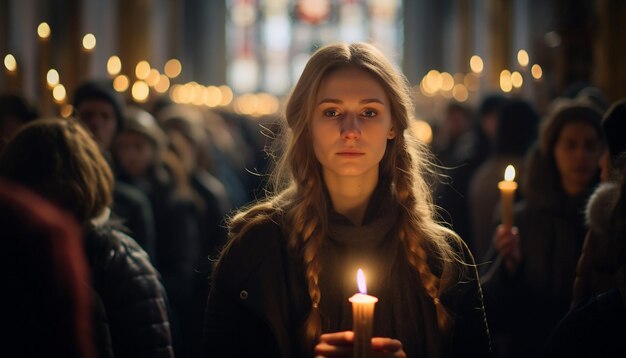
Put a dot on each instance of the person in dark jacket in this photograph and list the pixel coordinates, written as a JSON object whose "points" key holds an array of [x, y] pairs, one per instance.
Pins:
{"points": [[596, 326], [45, 279], [349, 194], [146, 163], [530, 287], [59, 160], [98, 106], [597, 268], [189, 141]]}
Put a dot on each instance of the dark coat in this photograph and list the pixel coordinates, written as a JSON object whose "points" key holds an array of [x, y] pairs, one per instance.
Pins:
{"points": [[133, 208], [130, 290], [259, 301]]}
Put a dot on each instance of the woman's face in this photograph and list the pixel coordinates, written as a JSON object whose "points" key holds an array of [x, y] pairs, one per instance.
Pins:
{"points": [[351, 124], [577, 153], [134, 152]]}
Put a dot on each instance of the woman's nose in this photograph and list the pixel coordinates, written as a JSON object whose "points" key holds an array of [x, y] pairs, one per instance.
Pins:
{"points": [[350, 127]]}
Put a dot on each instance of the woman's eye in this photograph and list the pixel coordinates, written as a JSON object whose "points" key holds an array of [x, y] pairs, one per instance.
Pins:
{"points": [[331, 113], [369, 113]]}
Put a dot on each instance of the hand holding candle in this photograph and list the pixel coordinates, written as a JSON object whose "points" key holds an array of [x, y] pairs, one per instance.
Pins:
{"points": [[507, 194], [362, 318]]}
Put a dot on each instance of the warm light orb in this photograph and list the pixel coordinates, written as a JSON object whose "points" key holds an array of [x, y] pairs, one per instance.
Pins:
{"points": [[522, 58], [173, 68], [460, 93], [509, 173], [476, 64], [212, 96], [52, 77], [142, 70], [536, 71], [505, 81], [59, 93], [10, 62], [114, 65], [121, 83], [360, 279], [140, 91], [434, 80], [66, 110], [447, 81], [153, 77], [89, 41], [163, 85], [516, 79], [227, 95], [43, 30], [423, 131]]}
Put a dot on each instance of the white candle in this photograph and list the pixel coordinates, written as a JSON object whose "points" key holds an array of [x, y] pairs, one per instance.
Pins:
{"points": [[507, 194], [362, 318]]}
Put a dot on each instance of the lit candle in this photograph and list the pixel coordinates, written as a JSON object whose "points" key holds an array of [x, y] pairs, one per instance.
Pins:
{"points": [[507, 194], [362, 318]]}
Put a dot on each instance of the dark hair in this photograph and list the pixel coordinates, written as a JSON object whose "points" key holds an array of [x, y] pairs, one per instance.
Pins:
{"points": [[59, 160], [101, 90], [491, 103], [614, 125], [565, 113], [16, 107], [517, 128]]}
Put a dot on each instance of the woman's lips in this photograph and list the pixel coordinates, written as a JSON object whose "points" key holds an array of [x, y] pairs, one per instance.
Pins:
{"points": [[350, 154]]}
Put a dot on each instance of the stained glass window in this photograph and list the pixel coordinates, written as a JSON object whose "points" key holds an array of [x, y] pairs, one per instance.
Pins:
{"points": [[269, 41]]}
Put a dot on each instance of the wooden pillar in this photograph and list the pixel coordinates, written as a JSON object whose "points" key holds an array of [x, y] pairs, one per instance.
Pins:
{"points": [[609, 72], [134, 34], [500, 19]]}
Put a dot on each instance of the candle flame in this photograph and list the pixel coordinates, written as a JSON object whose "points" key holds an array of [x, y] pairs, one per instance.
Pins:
{"points": [[360, 279], [509, 173]]}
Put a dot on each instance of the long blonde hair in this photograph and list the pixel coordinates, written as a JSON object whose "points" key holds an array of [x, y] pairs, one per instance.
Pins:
{"points": [[297, 187]]}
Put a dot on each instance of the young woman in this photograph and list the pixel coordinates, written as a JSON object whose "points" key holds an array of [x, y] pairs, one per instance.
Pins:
{"points": [[532, 290], [350, 191]]}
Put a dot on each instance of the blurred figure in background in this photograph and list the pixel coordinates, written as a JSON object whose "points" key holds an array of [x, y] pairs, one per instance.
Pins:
{"points": [[15, 111], [597, 326], [59, 160], [455, 151], [145, 162], [45, 279], [101, 110], [597, 268], [189, 140], [516, 130], [531, 290]]}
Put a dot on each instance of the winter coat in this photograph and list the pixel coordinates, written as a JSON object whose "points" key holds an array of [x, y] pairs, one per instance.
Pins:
{"points": [[131, 293], [597, 267], [259, 301]]}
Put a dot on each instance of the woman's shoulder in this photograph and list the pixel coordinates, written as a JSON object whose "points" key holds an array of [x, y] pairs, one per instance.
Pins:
{"points": [[258, 242]]}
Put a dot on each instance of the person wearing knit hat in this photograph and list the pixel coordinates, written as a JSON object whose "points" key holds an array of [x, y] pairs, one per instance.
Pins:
{"points": [[100, 109]]}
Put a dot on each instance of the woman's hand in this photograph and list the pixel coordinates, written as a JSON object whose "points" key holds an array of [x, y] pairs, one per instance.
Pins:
{"points": [[339, 344], [507, 243]]}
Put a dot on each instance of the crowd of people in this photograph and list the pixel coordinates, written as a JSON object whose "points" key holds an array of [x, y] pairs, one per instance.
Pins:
{"points": [[162, 231]]}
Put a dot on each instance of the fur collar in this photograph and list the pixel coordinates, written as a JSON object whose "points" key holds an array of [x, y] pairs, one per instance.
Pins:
{"points": [[600, 206]]}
